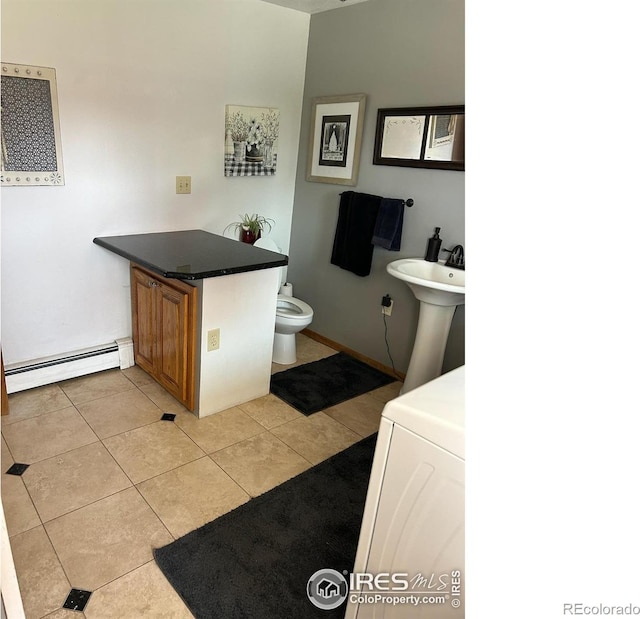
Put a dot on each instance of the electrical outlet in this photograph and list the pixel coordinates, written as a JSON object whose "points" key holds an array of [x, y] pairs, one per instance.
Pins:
{"points": [[387, 305], [183, 184], [213, 339]]}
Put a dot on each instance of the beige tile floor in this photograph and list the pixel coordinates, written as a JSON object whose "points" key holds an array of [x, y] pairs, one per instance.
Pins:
{"points": [[109, 481]]}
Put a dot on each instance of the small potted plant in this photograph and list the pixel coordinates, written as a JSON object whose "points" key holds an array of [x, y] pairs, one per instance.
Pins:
{"points": [[251, 227]]}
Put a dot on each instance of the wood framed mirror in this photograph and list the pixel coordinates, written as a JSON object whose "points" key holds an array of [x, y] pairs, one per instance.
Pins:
{"points": [[420, 137]]}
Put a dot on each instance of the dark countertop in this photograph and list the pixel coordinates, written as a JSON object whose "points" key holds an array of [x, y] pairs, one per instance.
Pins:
{"points": [[191, 254]]}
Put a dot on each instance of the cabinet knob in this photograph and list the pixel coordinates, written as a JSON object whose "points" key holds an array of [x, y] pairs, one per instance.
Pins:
{"points": [[153, 284]]}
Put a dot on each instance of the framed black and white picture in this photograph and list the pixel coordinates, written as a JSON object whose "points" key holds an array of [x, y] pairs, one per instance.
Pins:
{"points": [[251, 140], [335, 139], [31, 147]]}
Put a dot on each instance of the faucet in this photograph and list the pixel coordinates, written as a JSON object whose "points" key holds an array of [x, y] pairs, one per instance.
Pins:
{"points": [[456, 257]]}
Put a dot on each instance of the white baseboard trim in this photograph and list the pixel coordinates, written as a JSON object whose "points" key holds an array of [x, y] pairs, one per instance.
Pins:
{"points": [[48, 370]]}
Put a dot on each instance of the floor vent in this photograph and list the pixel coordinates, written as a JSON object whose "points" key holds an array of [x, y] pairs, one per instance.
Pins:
{"points": [[77, 599]]}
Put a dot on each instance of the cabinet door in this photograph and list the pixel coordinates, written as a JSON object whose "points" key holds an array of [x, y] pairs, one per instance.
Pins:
{"points": [[173, 312], [144, 319], [164, 323]]}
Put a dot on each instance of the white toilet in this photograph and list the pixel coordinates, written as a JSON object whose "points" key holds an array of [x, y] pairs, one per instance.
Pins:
{"points": [[292, 315]]}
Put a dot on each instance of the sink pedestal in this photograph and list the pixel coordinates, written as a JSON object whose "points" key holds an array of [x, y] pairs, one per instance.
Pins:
{"points": [[434, 324], [439, 289]]}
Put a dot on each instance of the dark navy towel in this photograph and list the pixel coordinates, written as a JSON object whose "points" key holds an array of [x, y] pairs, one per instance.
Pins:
{"points": [[352, 248], [388, 230]]}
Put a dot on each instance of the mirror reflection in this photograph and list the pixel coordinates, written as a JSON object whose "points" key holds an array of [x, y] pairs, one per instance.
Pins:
{"points": [[445, 137], [402, 136]]}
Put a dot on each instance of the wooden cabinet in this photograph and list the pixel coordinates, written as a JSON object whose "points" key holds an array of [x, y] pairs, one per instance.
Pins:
{"points": [[164, 313]]}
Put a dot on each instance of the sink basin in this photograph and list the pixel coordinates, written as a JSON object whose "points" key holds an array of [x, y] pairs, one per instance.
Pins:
{"points": [[430, 282], [439, 289]]}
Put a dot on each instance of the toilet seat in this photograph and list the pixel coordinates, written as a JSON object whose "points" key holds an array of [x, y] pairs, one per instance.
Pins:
{"points": [[290, 307]]}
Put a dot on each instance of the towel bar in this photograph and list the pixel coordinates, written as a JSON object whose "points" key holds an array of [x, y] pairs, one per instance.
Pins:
{"points": [[408, 202]]}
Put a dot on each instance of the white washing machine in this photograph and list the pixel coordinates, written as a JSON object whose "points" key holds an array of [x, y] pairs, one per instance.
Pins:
{"points": [[412, 535]]}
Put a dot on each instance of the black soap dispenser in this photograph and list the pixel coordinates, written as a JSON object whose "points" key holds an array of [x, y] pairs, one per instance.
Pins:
{"points": [[433, 248]]}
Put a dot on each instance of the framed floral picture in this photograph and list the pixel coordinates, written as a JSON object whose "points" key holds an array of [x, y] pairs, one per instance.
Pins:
{"points": [[335, 139], [251, 140], [31, 147]]}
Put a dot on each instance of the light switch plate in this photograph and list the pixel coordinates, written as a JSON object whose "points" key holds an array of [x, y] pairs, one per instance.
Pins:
{"points": [[183, 184]]}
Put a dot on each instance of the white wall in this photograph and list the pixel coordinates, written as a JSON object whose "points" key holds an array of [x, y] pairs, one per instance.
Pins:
{"points": [[142, 87]]}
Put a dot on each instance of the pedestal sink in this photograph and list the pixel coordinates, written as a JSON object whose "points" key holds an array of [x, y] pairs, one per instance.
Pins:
{"points": [[439, 289]]}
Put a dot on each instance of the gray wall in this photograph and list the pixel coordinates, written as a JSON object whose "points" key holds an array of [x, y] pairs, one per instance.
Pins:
{"points": [[400, 53]]}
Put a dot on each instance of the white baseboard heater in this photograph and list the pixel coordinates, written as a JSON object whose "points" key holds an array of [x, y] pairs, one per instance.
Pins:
{"points": [[50, 370]]}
